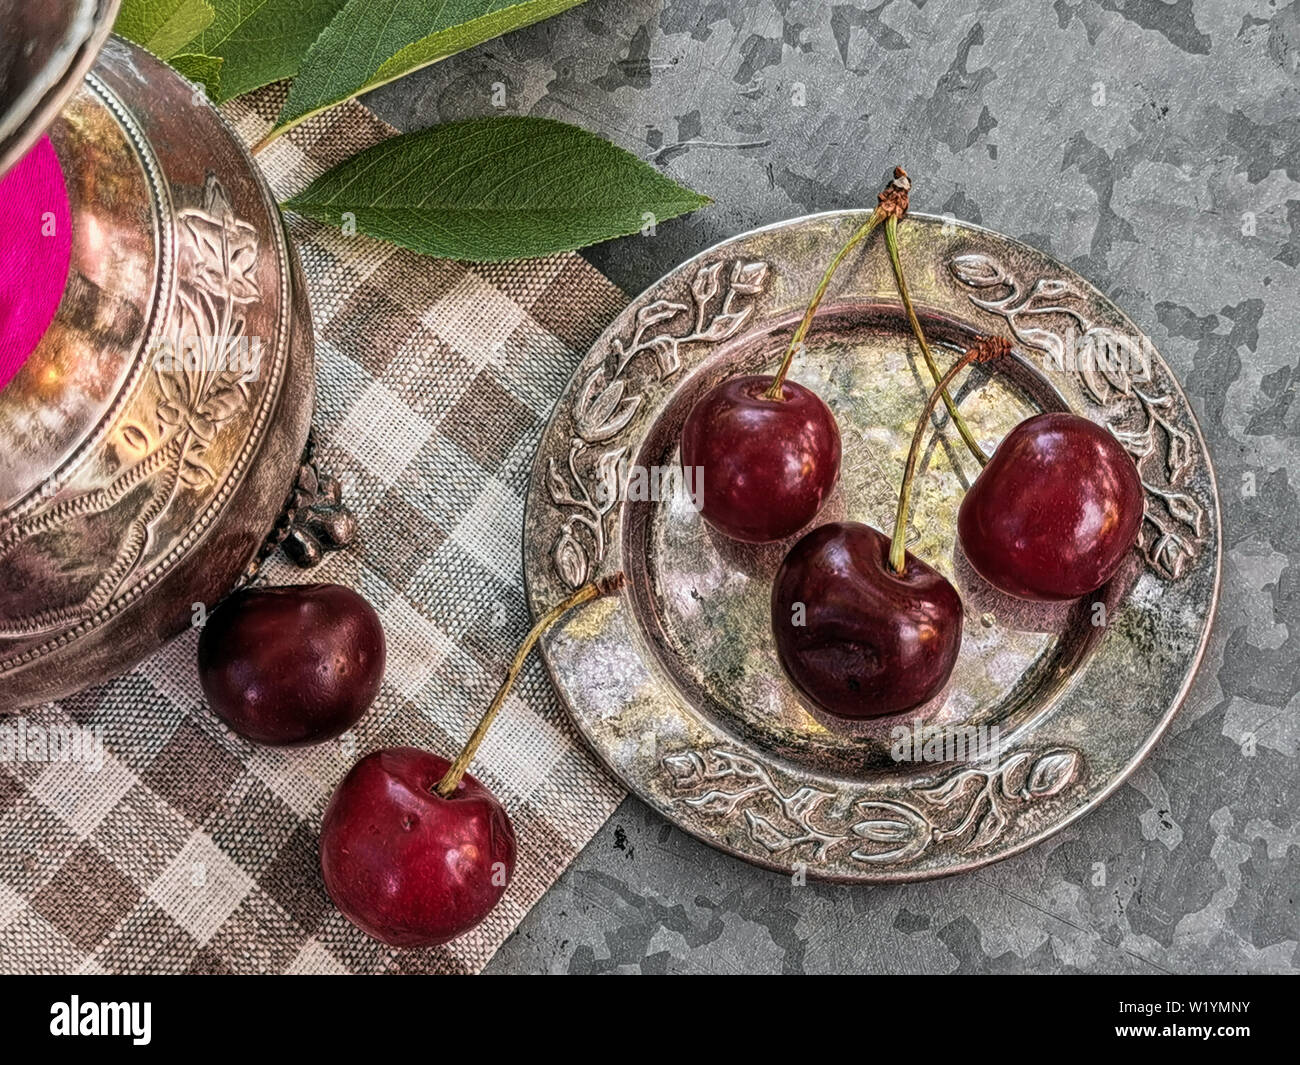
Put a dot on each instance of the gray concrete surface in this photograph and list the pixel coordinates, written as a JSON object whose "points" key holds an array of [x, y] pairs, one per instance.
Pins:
{"points": [[1155, 147]]}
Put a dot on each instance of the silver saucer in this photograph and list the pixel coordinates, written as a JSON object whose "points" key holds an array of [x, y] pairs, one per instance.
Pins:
{"points": [[676, 685]]}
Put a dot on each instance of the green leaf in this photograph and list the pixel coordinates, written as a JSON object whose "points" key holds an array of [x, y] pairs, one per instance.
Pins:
{"points": [[460, 27], [204, 69], [164, 27], [261, 41], [492, 189], [371, 42]]}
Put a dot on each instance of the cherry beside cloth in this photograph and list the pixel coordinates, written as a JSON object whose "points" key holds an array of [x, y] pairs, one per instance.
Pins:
{"points": [[34, 253]]}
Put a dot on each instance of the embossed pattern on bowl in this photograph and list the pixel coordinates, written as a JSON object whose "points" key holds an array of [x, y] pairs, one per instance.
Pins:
{"points": [[145, 455]]}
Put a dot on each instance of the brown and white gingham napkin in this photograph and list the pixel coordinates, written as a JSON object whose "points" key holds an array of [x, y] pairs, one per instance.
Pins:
{"points": [[190, 850]]}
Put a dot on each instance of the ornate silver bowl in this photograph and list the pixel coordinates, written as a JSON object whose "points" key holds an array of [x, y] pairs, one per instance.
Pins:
{"points": [[676, 684], [151, 444]]}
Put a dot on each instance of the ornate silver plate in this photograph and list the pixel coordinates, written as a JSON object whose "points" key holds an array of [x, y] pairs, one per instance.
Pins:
{"points": [[676, 684]]}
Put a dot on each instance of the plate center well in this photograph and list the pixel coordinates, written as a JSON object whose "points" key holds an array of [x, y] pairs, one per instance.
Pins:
{"points": [[706, 612]]}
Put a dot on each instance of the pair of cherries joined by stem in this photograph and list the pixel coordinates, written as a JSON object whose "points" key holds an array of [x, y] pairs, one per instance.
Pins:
{"points": [[863, 628]]}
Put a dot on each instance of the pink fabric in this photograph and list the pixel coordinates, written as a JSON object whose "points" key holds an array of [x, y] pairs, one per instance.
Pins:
{"points": [[35, 248]]}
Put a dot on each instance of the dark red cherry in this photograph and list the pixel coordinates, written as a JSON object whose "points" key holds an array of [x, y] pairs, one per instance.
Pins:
{"points": [[293, 665], [767, 465], [1056, 510], [413, 849], [406, 865], [872, 641]]}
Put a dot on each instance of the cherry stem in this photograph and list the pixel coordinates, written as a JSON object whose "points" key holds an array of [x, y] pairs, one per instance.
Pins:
{"points": [[271, 137], [891, 242], [983, 350], [796, 342], [891, 203], [446, 787]]}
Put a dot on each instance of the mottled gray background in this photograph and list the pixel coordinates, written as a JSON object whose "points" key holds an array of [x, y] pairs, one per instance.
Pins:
{"points": [[1155, 147]]}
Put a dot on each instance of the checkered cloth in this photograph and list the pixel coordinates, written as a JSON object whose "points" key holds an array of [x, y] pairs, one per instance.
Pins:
{"points": [[191, 850]]}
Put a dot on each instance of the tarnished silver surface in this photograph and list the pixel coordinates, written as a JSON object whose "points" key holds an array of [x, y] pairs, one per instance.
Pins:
{"points": [[132, 488], [676, 684]]}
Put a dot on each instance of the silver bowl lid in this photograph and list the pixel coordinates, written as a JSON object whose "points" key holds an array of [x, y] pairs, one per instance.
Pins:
{"points": [[45, 50]]}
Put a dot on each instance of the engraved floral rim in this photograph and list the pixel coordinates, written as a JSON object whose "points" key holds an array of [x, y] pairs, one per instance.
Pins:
{"points": [[605, 406], [790, 822], [1111, 365]]}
